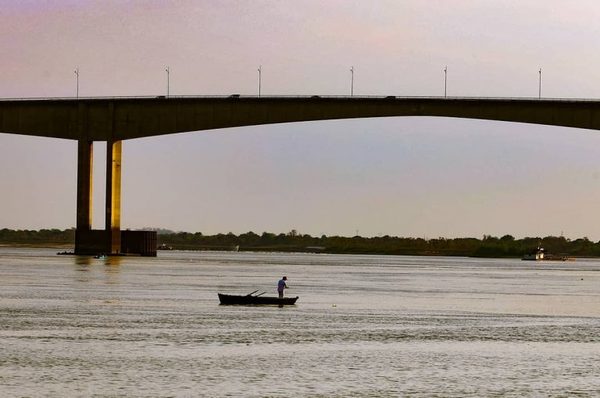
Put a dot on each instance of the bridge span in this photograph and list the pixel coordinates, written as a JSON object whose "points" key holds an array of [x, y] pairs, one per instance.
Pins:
{"points": [[121, 118]]}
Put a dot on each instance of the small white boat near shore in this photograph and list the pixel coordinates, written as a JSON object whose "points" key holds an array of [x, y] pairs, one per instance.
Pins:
{"points": [[538, 255]]}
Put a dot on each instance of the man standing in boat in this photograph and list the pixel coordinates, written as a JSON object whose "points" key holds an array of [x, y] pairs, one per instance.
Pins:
{"points": [[281, 285]]}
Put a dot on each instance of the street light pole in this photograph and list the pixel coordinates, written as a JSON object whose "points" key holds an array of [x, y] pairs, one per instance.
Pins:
{"points": [[77, 79], [540, 85], [168, 79], [352, 81], [259, 78], [445, 80]]}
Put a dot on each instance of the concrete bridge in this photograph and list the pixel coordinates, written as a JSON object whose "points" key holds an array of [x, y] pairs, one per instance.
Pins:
{"points": [[116, 119]]}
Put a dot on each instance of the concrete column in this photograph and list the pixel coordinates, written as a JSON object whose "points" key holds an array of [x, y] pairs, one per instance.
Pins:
{"points": [[85, 160], [113, 195]]}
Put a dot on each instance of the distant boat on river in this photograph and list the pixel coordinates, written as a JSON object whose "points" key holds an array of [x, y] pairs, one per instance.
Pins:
{"points": [[541, 255], [538, 255]]}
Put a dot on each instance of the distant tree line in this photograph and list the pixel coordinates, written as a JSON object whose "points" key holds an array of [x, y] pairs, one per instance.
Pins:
{"points": [[42, 237], [488, 246]]}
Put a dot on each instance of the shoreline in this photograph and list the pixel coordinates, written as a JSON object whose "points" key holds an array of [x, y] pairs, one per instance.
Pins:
{"points": [[66, 249]]}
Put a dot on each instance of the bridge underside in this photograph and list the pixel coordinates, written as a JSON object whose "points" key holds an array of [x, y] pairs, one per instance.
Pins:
{"points": [[113, 119], [116, 119]]}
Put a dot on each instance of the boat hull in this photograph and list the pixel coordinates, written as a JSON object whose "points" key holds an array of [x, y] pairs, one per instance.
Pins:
{"points": [[229, 299]]}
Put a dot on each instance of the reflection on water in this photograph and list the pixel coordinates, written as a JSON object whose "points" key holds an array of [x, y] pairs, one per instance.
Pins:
{"points": [[89, 260], [364, 326], [86, 264]]}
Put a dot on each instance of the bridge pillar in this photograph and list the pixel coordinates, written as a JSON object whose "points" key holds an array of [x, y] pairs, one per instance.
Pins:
{"points": [[84, 196], [88, 241], [113, 195]]}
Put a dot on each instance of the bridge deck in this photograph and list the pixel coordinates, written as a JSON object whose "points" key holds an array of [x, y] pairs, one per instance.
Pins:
{"points": [[121, 118]]}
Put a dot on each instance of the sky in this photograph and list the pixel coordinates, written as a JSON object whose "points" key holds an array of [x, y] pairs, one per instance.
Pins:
{"points": [[405, 176]]}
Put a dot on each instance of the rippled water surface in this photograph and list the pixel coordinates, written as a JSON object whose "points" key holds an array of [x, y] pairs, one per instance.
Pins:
{"points": [[364, 326]]}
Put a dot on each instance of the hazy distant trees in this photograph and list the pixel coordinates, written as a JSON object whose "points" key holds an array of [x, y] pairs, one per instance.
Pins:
{"points": [[294, 241], [43, 236], [488, 246]]}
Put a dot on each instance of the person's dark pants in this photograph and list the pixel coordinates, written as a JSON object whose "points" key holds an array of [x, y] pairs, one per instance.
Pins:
{"points": [[280, 293]]}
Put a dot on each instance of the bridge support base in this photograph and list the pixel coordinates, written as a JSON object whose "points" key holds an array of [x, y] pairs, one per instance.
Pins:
{"points": [[96, 241]]}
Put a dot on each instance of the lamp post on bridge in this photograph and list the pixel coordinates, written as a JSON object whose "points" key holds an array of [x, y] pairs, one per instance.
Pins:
{"points": [[445, 80], [352, 81], [259, 78], [77, 79], [540, 85], [168, 79]]}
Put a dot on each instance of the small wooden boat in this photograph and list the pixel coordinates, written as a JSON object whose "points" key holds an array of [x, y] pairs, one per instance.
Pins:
{"points": [[250, 299]]}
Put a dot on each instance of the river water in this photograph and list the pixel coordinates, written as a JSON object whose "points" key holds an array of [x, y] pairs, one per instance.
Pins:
{"points": [[364, 326]]}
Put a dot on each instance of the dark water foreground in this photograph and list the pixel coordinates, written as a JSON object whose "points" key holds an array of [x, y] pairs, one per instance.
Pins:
{"points": [[364, 326]]}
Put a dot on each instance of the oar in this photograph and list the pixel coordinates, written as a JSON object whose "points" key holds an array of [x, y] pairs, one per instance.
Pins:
{"points": [[260, 294], [250, 294]]}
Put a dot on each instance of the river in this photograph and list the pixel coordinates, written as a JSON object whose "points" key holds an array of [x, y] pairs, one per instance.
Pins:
{"points": [[364, 326]]}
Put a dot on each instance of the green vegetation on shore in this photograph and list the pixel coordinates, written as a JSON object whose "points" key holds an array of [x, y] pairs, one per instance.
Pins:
{"points": [[488, 246], [41, 238]]}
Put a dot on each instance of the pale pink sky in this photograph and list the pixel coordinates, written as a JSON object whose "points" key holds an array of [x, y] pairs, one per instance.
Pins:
{"points": [[398, 176]]}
